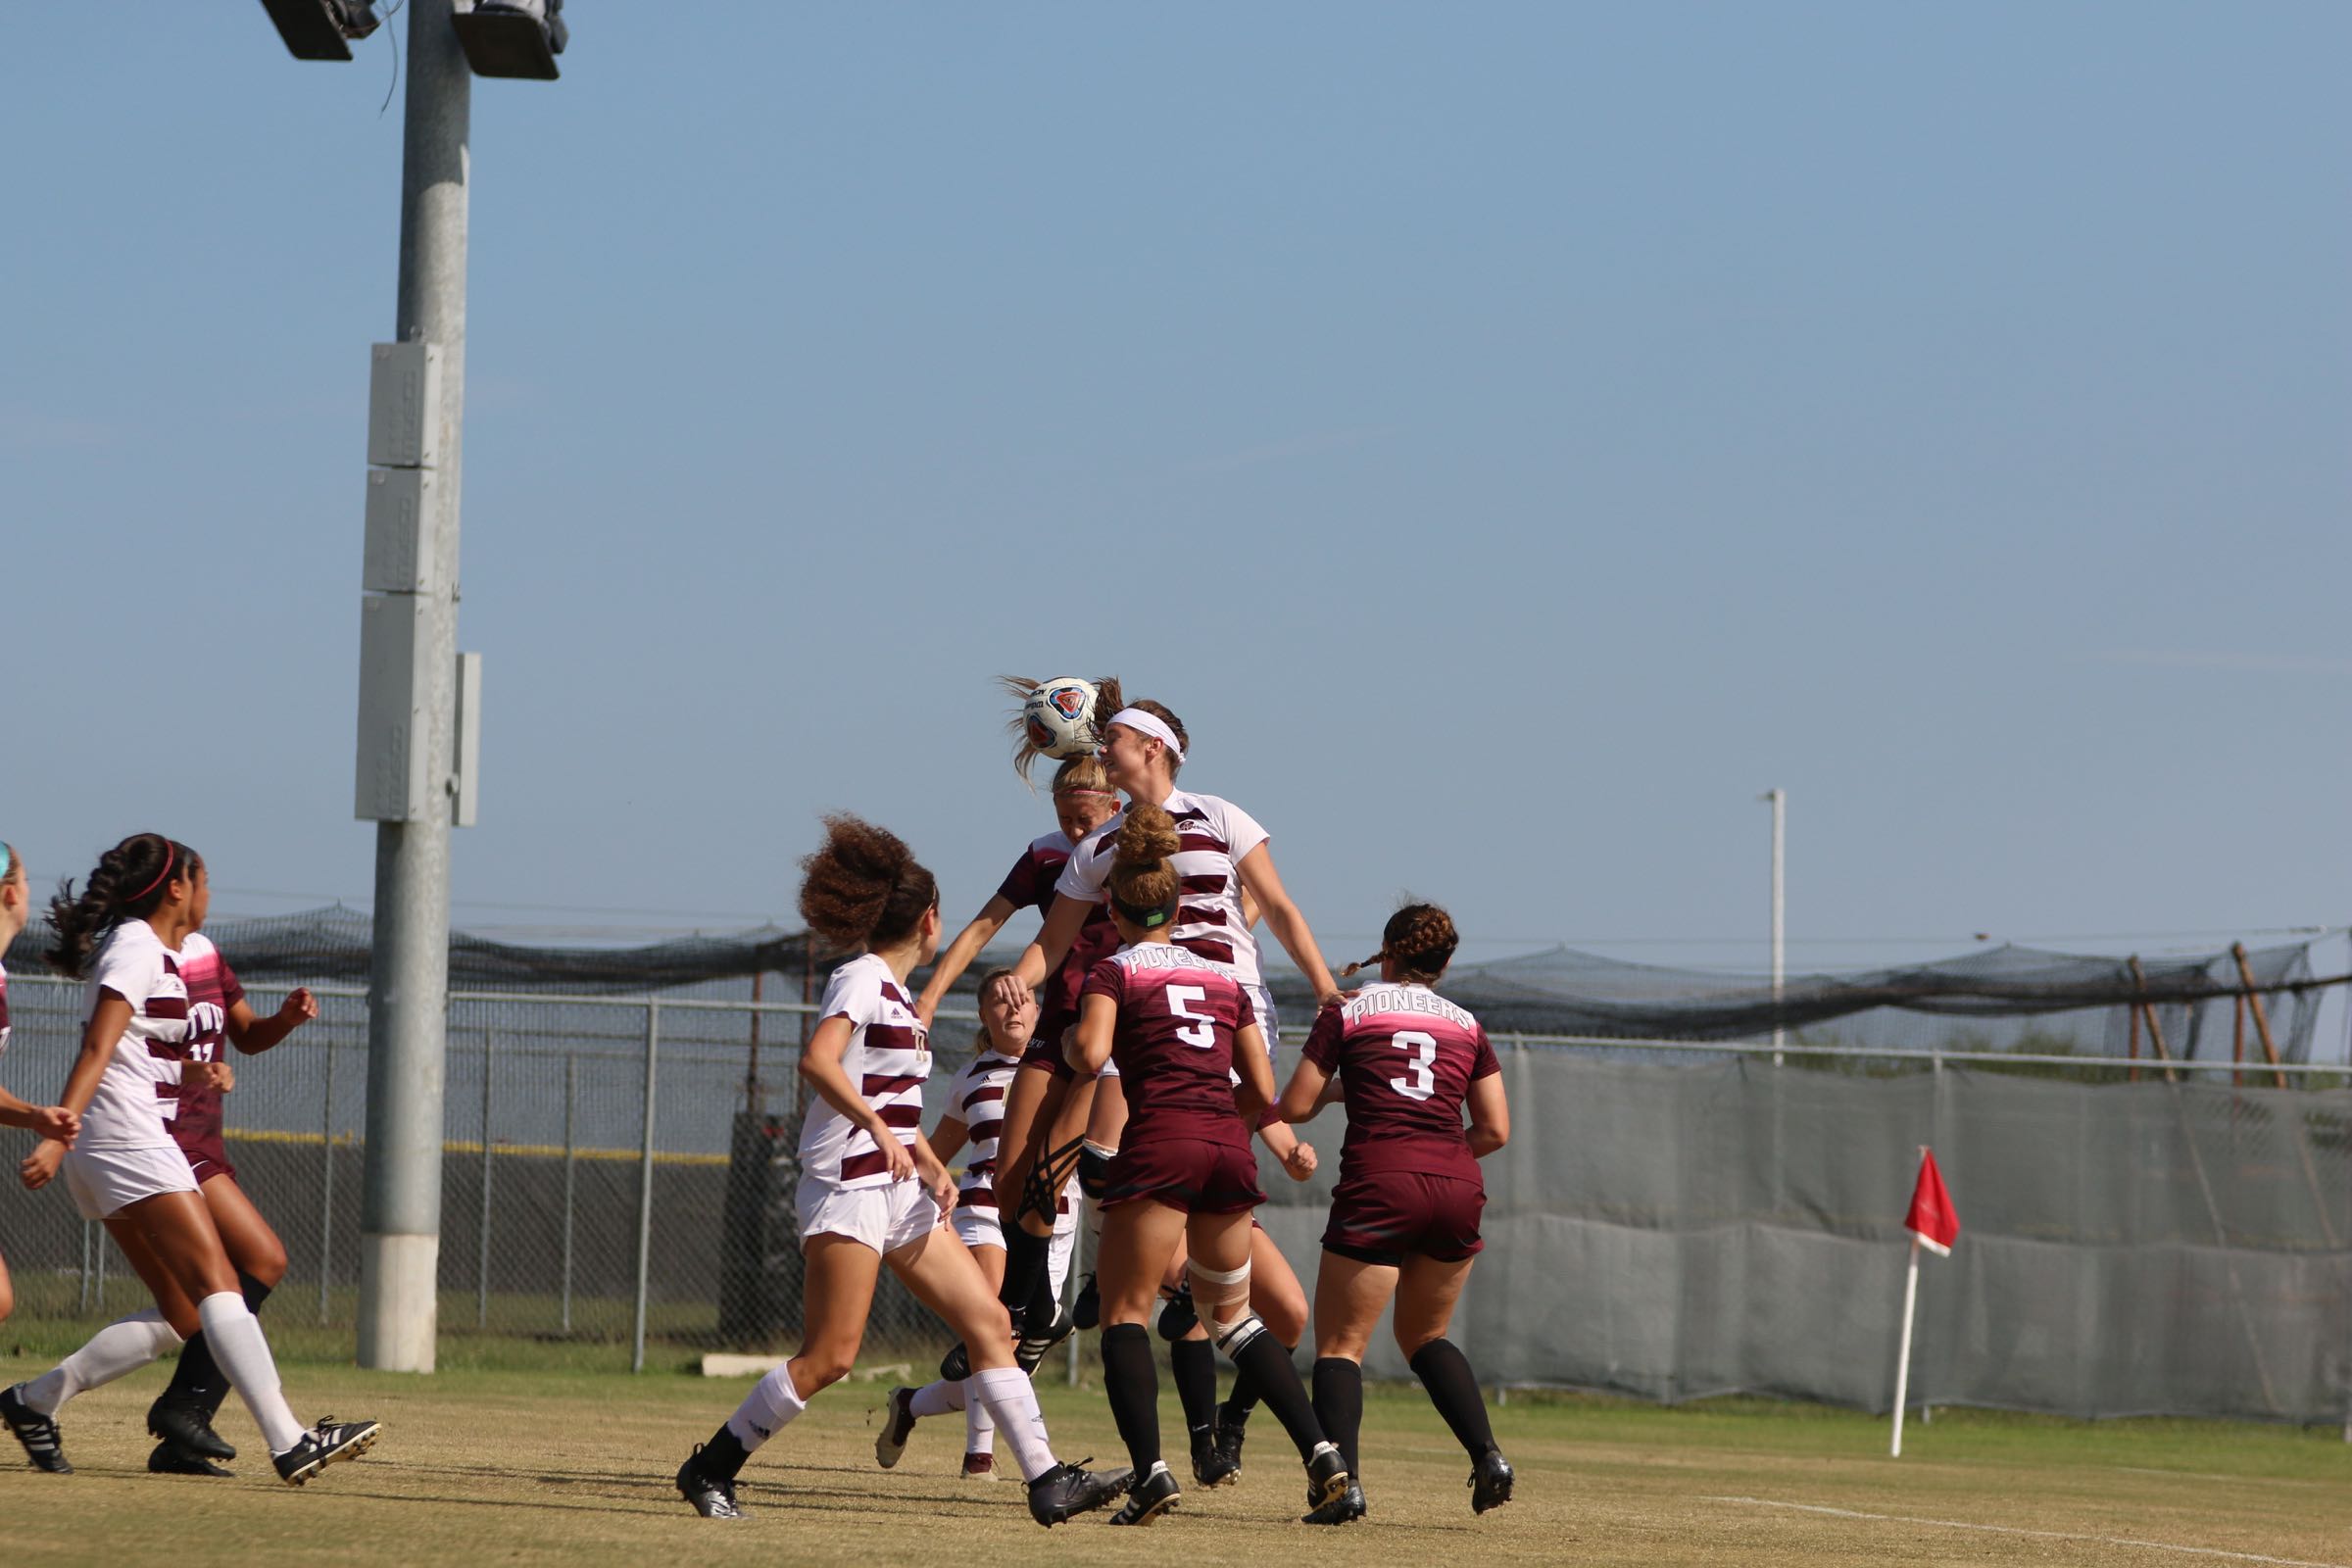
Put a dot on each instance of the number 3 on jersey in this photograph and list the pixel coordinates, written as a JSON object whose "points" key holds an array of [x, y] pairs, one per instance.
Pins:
{"points": [[1423, 1083], [1201, 1034]]}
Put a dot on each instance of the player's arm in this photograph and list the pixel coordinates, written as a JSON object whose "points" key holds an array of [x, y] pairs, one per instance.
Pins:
{"points": [[947, 1139], [98, 1038], [821, 1070], [1041, 958], [1304, 1094], [253, 1034], [1261, 881], [932, 1173], [1090, 1043], [1298, 1156], [50, 1121], [1490, 1115], [1256, 1091], [960, 953]]}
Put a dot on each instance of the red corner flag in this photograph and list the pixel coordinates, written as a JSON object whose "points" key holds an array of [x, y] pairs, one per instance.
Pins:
{"points": [[1932, 1219]]}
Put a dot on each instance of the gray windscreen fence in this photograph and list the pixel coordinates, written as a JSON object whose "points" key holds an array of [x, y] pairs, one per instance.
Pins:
{"points": [[1676, 1231]]}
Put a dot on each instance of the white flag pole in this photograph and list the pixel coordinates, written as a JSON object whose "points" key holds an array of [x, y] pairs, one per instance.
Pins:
{"points": [[1902, 1357]]}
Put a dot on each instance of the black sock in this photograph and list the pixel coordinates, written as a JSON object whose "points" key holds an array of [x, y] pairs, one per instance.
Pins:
{"points": [[1133, 1384], [198, 1379], [1267, 1364], [1340, 1406], [1025, 1260], [723, 1456], [1453, 1388], [1245, 1396], [1194, 1363], [1045, 1307]]}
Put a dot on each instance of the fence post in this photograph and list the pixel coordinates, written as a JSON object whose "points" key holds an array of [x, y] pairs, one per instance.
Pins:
{"points": [[571, 1095], [327, 1183], [87, 1226], [482, 1270], [644, 1188]]}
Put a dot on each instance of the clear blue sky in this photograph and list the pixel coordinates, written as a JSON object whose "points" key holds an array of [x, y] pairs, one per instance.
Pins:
{"points": [[1511, 438]]}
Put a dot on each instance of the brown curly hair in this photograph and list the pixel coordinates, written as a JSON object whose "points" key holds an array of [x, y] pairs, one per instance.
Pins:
{"points": [[865, 889], [1141, 877], [1419, 939]]}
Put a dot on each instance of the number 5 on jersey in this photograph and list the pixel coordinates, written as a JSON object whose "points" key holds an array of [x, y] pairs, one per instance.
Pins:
{"points": [[1200, 1035]]}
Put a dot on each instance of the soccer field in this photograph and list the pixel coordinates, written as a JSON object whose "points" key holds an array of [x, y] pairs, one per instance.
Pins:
{"points": [[575, 1467]]}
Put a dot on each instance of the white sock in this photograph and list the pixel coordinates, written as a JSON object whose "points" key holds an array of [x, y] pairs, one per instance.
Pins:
{"points": [[937, 1399], [1005, 1392], [767, 1409], [123, 1345], [979, 1429], [235, 1336]]}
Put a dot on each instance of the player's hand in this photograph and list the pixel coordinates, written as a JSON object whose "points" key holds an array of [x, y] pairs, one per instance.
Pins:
{"points": [[299, 1007], [40, 1166], [1300, 1161], [1011, 991], [1334, 998], [208, 1075], [895, 1156], [56, 1122], [942, 1185]]}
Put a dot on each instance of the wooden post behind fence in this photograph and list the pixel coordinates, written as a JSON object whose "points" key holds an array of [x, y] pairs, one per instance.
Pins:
{"points": [[2262, 1018], [2140, 981]]}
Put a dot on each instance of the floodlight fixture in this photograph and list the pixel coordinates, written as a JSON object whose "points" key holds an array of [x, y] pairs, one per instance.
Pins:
{"points": [[322, 30], [511, 37]]}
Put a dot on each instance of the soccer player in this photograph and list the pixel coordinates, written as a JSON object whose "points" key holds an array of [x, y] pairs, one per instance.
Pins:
{"points": [[871, 1189], [50, 1121], [1224, 864], [1404, 1216], [974, 1115], [1180, 1027], [125, 932]]}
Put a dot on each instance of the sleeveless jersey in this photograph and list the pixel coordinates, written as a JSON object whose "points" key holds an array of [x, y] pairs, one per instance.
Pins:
{"points": [[886, 1060], [1030, 885], [140, 1090], [1174, 1041], [1405, 1058], [1214, 837], [212, 990]]}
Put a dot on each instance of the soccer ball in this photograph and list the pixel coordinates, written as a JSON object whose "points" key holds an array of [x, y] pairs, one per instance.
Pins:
{"points": [[1058, 717]]}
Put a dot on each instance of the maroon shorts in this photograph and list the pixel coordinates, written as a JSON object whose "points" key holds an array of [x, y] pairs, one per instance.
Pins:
{"points": [[1045, 1046], [1379, 1216], [208, 1159], [1192, 1174]]}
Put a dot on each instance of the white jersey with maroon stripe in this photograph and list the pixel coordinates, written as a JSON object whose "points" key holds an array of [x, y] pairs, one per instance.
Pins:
{"points": [[1214, 837], [140, 1090], [3, 1009], [976, 1099], [887, 1058]]}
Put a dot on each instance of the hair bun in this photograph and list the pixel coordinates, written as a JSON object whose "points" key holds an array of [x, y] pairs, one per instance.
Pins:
{"points": [[1146, 837]]}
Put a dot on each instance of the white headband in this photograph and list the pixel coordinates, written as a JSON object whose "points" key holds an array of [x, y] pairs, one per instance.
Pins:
{"points": [[1151, 724]]}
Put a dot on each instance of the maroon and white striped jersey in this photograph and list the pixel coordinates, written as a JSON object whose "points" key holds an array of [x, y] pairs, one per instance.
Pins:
{"points": [[1174, 1041], [888, 1057], [976, 1099], [1214, 837], [140, 1090], [1405, 1058], [1030, 885], [3, 1009], [212, 989]]}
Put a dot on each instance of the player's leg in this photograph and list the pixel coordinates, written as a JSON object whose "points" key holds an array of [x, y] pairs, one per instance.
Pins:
{"points": [[945, 1396], [837, 1291], [1277, 1298], [1350, 1292], [937, 1267], [1139, 1236], [1221, 1272], [1426, 1293], [8, 1291], [182, 1414], [120, 1347]]}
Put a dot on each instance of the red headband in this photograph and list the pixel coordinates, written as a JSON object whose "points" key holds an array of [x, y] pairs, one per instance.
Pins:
{"points": [[171, 854]]}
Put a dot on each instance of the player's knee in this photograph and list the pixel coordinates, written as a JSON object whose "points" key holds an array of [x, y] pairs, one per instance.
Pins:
{"points": [[1218, 1288], [265, 1262], [818, 1369], [1413, 1337], [1238, 1335], [1284, 1311]]}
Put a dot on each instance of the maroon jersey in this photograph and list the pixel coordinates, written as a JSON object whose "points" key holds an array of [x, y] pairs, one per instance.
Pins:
{"points": [[1173, 1043], [212, 990], [1405, 1058], [1029, 885]]}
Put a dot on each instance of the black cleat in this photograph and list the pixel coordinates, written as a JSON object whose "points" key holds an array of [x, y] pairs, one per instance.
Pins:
{"points": [[37, 1431], [1069, 1489], [898, 1425], [1209, 1467], [1087, 1312], [1177, 1318], [1326, 1478], [184, 1427], [1345, 1508], [1148, 1499], [1228, 1442], [167, 1460], [330, 1442], [1489, 1482], [712, 1496], [957, 1364], [1027, 1353]]}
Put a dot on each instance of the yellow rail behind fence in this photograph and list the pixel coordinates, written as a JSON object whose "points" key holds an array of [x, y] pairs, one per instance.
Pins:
{"points": [[501, 1151]]}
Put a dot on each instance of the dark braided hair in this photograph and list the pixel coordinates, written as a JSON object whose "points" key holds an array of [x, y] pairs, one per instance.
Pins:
{"points": [[1419, 939], [129, 883], [864, 888]]}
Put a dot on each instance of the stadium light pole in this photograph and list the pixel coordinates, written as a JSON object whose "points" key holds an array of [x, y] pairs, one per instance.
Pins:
{"points": [[1780, 913], [408, 985]]}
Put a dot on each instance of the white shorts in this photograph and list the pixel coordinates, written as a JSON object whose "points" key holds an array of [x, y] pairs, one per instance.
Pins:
{"points": [[979, 1227], [985, 1227], [885, 1218], [105, 1180]]}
